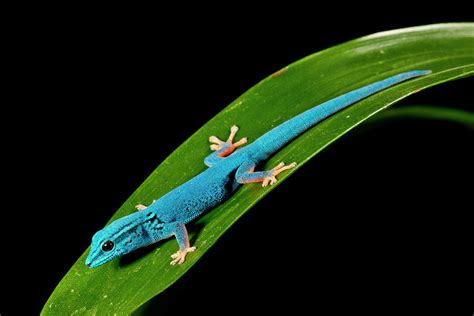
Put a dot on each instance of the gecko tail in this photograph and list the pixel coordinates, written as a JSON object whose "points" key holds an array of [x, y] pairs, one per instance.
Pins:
{"points": [[279, 136]]}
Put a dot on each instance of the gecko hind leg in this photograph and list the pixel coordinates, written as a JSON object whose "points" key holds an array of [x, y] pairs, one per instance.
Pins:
{"points": [[223, 148], [245, 173]]}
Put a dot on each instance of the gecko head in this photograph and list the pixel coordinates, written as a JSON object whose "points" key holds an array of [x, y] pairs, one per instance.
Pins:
{"points": [[120, 237], [103, 249]]}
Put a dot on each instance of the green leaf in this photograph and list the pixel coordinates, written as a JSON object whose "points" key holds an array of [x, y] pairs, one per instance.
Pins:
{"points": [[427, 113], [121, 287]]}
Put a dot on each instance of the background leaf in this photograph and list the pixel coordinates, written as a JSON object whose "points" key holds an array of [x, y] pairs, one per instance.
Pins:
{"points": [[125, 284], [428, 113]]}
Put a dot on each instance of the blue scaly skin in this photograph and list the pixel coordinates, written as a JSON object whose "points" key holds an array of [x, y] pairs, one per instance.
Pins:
{"points": [[167, 216]]}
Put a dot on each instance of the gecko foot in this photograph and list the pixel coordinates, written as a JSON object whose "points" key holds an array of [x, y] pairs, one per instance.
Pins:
{"points": [[140, 207], [275, 171], [180, 256], [228, 146]]}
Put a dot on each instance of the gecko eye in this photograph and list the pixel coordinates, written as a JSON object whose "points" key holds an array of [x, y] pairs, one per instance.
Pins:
{"points": [[107, 246]]}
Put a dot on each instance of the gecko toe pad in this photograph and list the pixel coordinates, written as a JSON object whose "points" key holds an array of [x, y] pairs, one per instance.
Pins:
{"points": [[140, 207], [271, 179], [180, 256], [226, 147]]}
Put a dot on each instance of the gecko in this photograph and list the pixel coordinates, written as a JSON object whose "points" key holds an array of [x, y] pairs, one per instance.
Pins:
{"points": [[229, 167]]}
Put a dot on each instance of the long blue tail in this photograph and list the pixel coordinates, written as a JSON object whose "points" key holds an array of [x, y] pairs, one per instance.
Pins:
{"points": [[279, 136]]}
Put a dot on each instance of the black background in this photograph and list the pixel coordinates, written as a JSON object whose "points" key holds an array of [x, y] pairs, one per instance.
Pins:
{"points": [[379, 221]]}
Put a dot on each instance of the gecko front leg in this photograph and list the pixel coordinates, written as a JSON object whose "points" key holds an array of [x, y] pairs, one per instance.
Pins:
{"points": [[181, 235], [179, 231], [141, 207]]}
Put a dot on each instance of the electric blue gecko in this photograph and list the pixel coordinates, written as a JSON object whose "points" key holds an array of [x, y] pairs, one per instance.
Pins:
{"points": [[167, 216]]}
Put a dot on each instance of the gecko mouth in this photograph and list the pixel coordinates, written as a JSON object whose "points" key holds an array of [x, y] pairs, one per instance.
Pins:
{"points": [[95, 261], [95, 264]]}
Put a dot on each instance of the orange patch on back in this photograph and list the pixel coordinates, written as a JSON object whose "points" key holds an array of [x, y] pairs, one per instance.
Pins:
{"points": [[226, 152]]}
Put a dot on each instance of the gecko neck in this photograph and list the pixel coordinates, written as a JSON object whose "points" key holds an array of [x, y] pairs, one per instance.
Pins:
{"points": [[136, 230]]}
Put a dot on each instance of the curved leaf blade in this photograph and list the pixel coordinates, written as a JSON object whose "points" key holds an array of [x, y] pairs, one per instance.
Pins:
{"points": [[426, 112], [121, 287]]}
